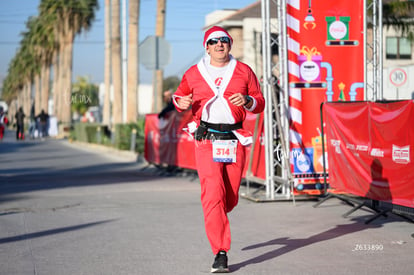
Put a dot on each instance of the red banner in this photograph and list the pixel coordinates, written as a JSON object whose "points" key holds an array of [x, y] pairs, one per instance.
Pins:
{"points": [[369, 149], [326, 63], [167, 143]]}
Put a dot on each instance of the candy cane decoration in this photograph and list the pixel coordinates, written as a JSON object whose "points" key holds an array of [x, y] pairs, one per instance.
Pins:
{"points": [[295, 94]]}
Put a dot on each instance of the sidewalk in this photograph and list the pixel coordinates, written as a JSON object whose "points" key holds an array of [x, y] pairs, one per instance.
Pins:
{"points": [[129, 220]]}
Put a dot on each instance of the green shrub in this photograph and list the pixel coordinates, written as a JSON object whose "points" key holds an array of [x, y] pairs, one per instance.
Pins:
{"points": [[87, 132], [123, 135]]}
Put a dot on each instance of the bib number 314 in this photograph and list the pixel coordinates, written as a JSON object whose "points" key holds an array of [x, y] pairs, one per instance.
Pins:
{"points": [[224, 150]]}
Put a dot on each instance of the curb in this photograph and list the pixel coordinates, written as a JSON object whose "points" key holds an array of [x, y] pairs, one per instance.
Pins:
{"points": [[131, 156]]}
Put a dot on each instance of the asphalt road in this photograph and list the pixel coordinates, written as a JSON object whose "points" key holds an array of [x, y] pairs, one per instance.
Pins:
{"points": [[75, 209]]}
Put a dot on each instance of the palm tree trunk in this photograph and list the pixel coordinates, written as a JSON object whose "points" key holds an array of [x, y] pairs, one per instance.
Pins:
{"points": [[132, 109], [65, 70], [67, 79], [38, 95], [61, 89], [27, 98], [12, 110], [45, 87], [55, 84], [107, 73], [116, 62], [19, 98]]}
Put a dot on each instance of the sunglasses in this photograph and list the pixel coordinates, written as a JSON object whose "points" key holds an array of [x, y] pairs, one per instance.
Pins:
{"points": [[214, 41]]}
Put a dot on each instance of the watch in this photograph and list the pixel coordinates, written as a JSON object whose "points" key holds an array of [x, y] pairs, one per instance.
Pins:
{"points": [[248, 98]]}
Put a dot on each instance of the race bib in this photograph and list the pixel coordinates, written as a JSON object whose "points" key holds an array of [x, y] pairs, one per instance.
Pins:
{"points": [[224, 150]]}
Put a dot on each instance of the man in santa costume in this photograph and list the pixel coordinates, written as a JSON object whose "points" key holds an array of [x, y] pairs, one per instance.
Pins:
{"points": [[220, 90]]}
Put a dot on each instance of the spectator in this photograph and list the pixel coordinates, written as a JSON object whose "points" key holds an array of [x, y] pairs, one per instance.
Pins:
{"points": [[3, 122], [43, 122], [32, 123], [20, 124], [170, 105]]}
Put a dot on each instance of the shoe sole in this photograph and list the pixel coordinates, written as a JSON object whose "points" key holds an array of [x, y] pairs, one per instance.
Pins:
{"points": [[220, 270]]}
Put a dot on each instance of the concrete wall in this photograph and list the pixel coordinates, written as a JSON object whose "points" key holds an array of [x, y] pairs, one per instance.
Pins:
{"points": [[237, 48], [398, 82], [145, 97]]}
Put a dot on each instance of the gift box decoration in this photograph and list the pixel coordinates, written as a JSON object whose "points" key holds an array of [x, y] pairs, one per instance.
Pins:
{"points": [[338, 29], [309, 64]]}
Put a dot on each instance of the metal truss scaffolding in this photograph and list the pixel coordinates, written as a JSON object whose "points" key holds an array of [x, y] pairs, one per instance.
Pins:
{"points": [[279, 180], [276, 123], [373, 52]]}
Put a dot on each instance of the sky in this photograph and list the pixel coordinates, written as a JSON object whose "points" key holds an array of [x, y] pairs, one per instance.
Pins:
{"points": [[183, 30]]}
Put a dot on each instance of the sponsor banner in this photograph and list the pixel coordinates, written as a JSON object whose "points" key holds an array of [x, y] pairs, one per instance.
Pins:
{"points": [[326, 63], [167, 143], [370, 149]]}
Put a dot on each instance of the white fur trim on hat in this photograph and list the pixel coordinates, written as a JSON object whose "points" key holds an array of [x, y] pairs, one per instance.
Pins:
{"points": [[216, 32]]}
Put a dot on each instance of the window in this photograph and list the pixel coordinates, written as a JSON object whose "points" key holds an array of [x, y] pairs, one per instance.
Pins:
{"points": [[398, 48], [274, 48]]}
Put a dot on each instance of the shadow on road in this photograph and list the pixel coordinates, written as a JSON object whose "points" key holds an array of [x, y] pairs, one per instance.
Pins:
{"points": [[50, 232], [287, 245], [35, 165]]}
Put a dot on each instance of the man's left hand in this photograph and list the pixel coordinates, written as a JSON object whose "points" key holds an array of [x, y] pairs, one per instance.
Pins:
{"points": [[238, 99]]}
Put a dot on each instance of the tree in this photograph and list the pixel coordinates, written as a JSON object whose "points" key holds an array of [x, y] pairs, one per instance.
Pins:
{"points": [[84, 95], [116, 62], [171, 83], [69, 17], [132, 108], [399, 15], [107, 72], [25, 68], [30, 39], [43, 43]]}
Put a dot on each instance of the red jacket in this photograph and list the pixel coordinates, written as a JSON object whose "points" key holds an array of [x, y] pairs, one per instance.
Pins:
{"points": [[3, 121], [239, 78]]}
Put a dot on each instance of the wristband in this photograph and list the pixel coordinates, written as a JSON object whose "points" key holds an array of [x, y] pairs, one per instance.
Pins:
{"points": [[248, 98]]}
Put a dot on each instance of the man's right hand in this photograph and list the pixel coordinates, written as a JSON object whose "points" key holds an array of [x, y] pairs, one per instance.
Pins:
{"points": [[184, 102]]}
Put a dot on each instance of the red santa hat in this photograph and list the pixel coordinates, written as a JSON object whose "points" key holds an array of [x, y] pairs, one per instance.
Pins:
{"points": [[216, 32]]}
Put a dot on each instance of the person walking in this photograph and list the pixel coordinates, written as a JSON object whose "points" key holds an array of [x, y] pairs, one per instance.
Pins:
{"points": [[169, 107], [3, 122], [32, 122], [20, 124], [43, 119], [219, 90]]}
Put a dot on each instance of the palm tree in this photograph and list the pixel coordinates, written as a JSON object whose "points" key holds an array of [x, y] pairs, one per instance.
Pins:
{"points": [[69, 17], [12, 84], [30, 57], [30, 48], [116, 62], [132, 108], [42, 40], [26, 67], [85, 94], [106, 116], [46, 35]]}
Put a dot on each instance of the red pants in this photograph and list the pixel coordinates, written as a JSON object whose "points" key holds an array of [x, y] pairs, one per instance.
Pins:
{"points": [[220, 183]]}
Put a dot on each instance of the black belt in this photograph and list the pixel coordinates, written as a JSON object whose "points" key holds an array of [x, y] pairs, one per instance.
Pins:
{"points": [[203, 131], [222, 127], [219, 136]]}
